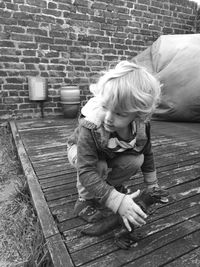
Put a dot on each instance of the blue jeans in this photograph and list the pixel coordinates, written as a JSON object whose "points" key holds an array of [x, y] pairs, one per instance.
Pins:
{"points": [[115, 172]]}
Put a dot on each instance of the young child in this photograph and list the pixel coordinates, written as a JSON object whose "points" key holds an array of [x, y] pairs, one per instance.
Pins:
{"points": [[112, 142]]}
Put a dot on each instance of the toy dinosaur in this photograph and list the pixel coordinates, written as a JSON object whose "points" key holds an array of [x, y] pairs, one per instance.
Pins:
{"points": [[147, 200]]}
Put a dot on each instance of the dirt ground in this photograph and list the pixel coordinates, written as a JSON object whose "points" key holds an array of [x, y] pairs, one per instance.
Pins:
{"points": [[21, 239]]}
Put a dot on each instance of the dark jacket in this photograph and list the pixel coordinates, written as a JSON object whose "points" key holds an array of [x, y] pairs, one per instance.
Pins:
{"points": [[92, 146]]}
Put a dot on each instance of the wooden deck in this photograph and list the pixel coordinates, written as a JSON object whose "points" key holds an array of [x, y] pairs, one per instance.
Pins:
{"points": [[171, 236]]}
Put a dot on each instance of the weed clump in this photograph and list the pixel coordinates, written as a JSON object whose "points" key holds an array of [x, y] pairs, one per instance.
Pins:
{"points": [[21, 238]]}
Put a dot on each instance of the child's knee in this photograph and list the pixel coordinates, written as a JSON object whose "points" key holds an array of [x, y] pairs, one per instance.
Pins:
{"points": [[124, 167], [134, 163], [128, 162], [138, 161]]}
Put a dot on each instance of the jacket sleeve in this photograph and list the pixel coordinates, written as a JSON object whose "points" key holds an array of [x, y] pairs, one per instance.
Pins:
{"points": [[148, 167], [87, 158]]}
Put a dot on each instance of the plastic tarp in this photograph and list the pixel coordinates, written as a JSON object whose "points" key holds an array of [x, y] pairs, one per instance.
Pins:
{"points": [[175, 61]]}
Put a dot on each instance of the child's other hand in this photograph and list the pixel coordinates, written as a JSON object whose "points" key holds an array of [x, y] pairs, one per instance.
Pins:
{"points": [[131, 212]]}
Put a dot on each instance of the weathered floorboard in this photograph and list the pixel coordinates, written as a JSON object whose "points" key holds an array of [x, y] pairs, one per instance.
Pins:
{"points": [[171, 236]]}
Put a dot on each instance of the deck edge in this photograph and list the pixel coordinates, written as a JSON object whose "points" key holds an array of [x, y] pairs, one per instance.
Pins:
{"points": [[59, 254]]}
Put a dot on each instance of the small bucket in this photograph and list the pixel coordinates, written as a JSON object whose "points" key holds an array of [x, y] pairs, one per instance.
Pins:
{"points": [[70, 100]]}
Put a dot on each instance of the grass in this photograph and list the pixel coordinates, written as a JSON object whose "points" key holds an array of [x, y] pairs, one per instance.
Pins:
{"points": [[21, 238]]}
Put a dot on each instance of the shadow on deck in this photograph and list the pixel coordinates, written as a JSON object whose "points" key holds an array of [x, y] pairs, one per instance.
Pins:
{"points": [[171, 236]]}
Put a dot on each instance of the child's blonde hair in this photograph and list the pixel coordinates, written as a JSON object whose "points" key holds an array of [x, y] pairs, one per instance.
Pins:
{"points": [[129, 88]]}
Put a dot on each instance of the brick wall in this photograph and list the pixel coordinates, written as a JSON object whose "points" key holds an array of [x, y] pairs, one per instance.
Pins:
{"points": [[198, 21], [70, 41]]}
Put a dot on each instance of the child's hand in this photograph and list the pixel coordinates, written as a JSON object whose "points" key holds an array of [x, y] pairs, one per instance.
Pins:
{"points": [[131, 212]]}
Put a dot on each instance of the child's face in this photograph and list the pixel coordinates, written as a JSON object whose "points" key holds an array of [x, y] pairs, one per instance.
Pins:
{"points": [[115, 120]]}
